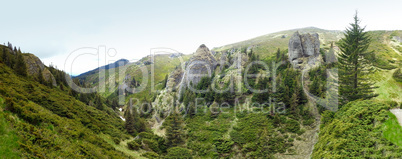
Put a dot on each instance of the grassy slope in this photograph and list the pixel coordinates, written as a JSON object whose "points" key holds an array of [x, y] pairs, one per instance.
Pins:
{"points": [[122, 146], [392, 130], [388, 89], [381, 45], [8, 137], [267, 44], [49, 123]]}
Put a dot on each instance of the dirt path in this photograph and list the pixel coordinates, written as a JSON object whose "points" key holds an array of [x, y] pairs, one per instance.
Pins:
{"points": [[398, 114]]}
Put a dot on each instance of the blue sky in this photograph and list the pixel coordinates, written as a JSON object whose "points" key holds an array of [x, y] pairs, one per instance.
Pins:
{"points": [[52, 30]]}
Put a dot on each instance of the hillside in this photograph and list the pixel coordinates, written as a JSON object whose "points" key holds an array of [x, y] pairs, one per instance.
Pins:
{"points": [[360, 129], [40, 120]]}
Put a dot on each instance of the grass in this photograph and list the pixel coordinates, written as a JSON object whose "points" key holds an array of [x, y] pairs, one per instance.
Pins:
{"points": [[392, 130], [388, 88], [8, 138], [122, 147]]}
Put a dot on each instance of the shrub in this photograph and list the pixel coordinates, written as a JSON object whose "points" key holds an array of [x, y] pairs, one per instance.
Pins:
{"points": [[151, 144], [132, 145], [292, 126], [150, 155], [397, 75], [223, 146], [146, 135], [308, 122], [116, 140], [178, 153]]}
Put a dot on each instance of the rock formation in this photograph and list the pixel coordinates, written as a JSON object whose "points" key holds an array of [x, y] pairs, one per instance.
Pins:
{"points": [[198, 66], [35, 66], [304, 49]]}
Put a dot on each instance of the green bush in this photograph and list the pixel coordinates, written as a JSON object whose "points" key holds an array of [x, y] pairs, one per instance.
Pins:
{"points": [[178, 153], [308, 122], [292, 126], [357, 131], [146, 135], [116, 140], [132, 145], [223, 146], [151, 144], [150, 155], [397, 75]]}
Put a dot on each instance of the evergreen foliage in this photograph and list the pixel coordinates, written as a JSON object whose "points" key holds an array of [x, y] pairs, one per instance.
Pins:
{"points": [[356, 131], [174, 130], [354, 65]]}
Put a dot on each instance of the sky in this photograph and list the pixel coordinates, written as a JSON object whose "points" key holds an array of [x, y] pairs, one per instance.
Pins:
{"points": [[52, 30]]}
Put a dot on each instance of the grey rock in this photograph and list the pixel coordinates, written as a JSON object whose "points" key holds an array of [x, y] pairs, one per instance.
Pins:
{"points": [[200, 65], [304, 47]]}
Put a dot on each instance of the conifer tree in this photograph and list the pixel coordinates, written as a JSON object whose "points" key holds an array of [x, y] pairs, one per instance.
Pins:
{"points": [[20, 66], [6, 56], [314, 87], [278, 54], [134, 124], [354, 65], [174, 134]]}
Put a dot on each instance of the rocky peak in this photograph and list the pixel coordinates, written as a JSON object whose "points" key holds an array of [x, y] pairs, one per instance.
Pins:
{"points": [[199, 64], [304, 48]]}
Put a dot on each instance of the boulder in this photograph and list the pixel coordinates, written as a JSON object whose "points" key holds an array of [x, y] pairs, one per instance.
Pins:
{"points": [[304, 49]]}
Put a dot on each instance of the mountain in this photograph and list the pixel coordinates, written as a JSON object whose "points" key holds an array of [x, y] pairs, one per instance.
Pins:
{"points": [[145, 105], [118, 63]]}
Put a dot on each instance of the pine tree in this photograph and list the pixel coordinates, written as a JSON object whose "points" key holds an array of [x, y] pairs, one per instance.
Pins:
{"points": [[354, 65], [20, 66], [6, 57], [294, 101], [314, 87], [130, 123], [174, 134], [98, 103], [134, 124], [278, 54]]}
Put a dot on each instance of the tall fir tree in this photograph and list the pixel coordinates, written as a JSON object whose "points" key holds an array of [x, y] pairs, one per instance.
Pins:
{"points": [[174, 131], [354, 65]]}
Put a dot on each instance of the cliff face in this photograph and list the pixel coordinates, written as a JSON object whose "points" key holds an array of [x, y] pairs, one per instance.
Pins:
{"points": [[35, 66], [304, 49]]}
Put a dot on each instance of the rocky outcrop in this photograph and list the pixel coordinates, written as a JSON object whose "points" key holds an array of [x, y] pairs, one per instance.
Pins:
{"points": [[35, 66], [174, 79], [197, 67], [304, 48], [200, 64]]}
